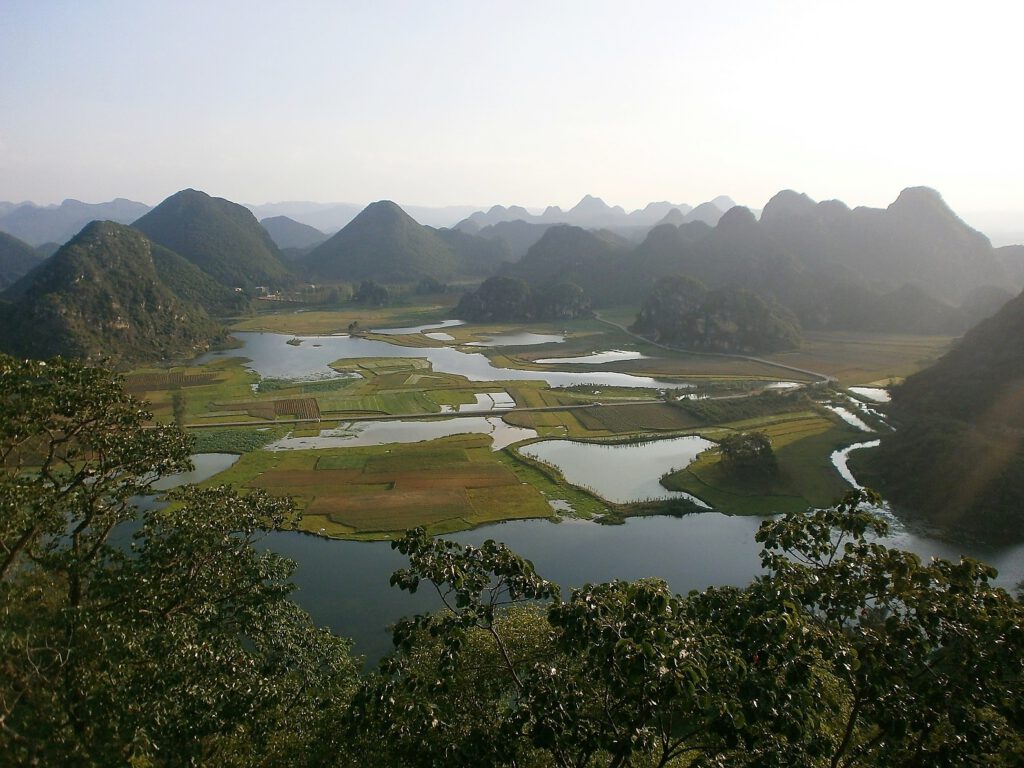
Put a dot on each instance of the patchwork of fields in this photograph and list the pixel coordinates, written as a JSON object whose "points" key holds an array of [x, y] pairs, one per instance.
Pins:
{"points": [[444, 485], [458, 482]]}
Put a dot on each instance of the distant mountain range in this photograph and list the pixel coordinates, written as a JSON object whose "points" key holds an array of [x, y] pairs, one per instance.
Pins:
{"points": [[37, 224], [330, 217], [912, 267], [289, 233], [593, 213]]}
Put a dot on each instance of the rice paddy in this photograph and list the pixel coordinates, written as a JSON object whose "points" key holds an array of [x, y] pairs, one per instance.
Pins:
{"points": [[458, 482]]}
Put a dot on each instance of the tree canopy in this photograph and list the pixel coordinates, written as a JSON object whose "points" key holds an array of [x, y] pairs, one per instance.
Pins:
{"points": [[163, 635], [179, 649]]}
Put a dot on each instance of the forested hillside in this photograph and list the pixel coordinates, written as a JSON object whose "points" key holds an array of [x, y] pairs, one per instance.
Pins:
{"points": [[957, 455], [16, 259], [222, 238], [100, 297]]}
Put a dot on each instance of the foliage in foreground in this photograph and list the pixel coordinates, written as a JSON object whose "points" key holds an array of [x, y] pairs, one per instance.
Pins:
{"points": [[183, 648], [180, 649], [845, 653]]}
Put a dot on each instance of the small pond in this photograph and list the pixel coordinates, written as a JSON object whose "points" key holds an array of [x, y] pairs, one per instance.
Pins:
{"points": [[595, 358], [419, 328], [850, 418], [362, 433], [620, 473], [518, 339], [876, 394]]}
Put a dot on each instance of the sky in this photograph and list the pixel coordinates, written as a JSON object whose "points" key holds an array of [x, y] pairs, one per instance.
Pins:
{"points": [[532, 103]]}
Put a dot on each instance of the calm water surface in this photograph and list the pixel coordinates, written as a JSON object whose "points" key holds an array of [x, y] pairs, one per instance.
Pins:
{"points": [[359, 433], [344, 584], [272, 357], [596, 358], [621, 473]]}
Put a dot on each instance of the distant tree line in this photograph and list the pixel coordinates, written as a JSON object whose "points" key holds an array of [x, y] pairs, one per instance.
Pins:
{"points": [[509, 299]]}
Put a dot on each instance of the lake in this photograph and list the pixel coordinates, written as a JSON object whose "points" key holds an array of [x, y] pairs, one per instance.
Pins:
{"points": [[272, 357], [344, 584], [621, 473]]}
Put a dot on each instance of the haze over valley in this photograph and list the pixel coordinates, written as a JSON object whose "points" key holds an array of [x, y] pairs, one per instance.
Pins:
{"points": [[696, 440]]}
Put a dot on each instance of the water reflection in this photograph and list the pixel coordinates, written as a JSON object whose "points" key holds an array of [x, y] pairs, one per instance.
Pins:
{"points": [[621, 473], [272, 357], [361, 433]]}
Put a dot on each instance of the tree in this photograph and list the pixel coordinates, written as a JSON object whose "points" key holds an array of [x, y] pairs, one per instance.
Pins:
{"points": [[372, 294], [183, 649], [748, 453], [844, 653]]}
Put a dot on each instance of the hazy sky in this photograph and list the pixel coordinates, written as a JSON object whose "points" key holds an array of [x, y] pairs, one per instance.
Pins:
{"points": [[534, 103]]}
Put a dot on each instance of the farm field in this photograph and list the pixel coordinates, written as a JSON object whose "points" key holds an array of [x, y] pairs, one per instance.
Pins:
{"points": [[863, 358], [458, 482], [803, 444], [444, 485]]}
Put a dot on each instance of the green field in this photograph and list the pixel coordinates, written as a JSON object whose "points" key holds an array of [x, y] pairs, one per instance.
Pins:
{"points": [[379, 492], [803, 443], [457, 482]]}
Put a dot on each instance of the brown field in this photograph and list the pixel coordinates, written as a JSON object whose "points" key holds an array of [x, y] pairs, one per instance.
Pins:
{"points": [[392, 510], [446, 485], [865, 358], [297, 407], [143, 382], [636, 418]]}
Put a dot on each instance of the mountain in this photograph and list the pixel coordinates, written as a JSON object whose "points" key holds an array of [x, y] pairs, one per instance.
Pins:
{"points": [[385, 244], [509, 299], [222, 238], [1011, 257], [518, 236], [497, 214], [917, 239], [683, 312], [709, 213], [100, 297], [654, 213], [37, 224], [330, 217], [913, 267], [476, 256], [957, 455], [289, 233], [16, 259], [594, 213], [193, 286], [584, 257]]}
